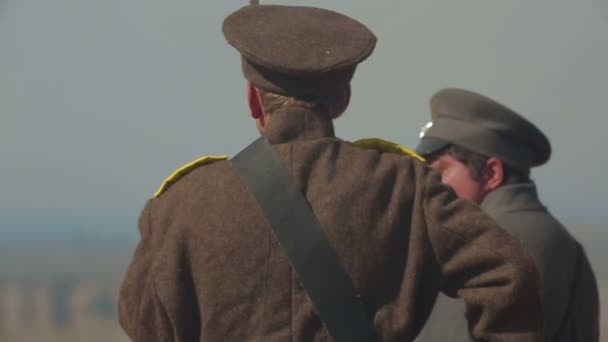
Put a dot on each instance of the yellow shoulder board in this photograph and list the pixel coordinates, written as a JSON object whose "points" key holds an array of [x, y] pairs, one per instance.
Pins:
{"points": [[386, 146], [182, 171]]}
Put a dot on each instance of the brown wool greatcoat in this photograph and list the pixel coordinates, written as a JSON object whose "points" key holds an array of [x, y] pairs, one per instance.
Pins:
{"points": [[208, 267]]}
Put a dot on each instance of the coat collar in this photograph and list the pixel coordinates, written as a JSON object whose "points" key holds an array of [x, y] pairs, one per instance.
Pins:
{"points": [[297, 124], [514, 197]]}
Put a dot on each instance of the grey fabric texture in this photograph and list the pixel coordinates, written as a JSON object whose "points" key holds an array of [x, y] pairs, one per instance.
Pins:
{"points": [[517, 209]]}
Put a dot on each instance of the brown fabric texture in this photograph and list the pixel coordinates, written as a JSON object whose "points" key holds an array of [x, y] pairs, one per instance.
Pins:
{"points": [[303, 87], [298, 40], [303, 52], [208, 267]]}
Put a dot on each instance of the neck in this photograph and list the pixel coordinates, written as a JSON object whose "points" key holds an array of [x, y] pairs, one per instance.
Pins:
{"points": [[296, 123]]}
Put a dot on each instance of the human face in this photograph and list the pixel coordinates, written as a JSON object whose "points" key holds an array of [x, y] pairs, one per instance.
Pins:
{"points": [[456, 174]]}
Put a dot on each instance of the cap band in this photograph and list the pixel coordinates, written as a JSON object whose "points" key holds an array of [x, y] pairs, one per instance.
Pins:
{"points": [[297, 85], [481, 140]]}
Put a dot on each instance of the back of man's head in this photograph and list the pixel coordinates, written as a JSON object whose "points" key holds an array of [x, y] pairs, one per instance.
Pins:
{"points": [[331, 105]]}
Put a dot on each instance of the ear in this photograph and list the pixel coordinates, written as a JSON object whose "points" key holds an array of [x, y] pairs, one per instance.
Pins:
{"points": [[345, 101], [255, 105], [347, 92], [493, 174]]}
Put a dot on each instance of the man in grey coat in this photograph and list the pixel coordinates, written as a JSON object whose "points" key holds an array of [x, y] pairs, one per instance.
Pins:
{"points": [[485, 151]]}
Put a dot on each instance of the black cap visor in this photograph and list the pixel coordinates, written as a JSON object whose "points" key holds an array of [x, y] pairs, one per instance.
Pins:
{"points": [[430, 145]]}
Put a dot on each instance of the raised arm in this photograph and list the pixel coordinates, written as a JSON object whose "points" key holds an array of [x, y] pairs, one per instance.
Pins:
{"points": [[483, 265]]}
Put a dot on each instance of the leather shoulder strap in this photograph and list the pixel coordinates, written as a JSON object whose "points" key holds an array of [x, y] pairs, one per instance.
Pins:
{"points": [[301, 236]]}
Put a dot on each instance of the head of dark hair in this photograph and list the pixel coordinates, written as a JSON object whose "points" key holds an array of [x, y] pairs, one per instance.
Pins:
{"points": [[476, 163]]}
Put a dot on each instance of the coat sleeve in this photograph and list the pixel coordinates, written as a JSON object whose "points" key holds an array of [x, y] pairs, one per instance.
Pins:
{"points": [[156, 301], [582, 322], [480, 263]]}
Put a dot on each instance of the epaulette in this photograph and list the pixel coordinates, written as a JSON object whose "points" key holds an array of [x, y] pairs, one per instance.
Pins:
{"points": [[182, 171], [386, 146]]}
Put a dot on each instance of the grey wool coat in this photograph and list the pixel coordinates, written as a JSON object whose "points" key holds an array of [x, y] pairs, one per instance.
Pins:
{"points": [[570, 294], [208, 267]]}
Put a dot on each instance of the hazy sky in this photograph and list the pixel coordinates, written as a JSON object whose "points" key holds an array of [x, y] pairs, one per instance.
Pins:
{"points": [[101, 100]]}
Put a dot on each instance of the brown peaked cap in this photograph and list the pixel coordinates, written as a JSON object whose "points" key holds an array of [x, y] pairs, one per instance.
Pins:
{"points": [[480, 124], [298, 51]]}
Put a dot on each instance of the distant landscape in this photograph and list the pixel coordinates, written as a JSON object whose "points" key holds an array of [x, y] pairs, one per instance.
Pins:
{"points": [[61, 290], [64, 288]]}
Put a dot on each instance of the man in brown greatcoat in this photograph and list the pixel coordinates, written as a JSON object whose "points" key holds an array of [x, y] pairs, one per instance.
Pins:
{"points": [[209, 268]]}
